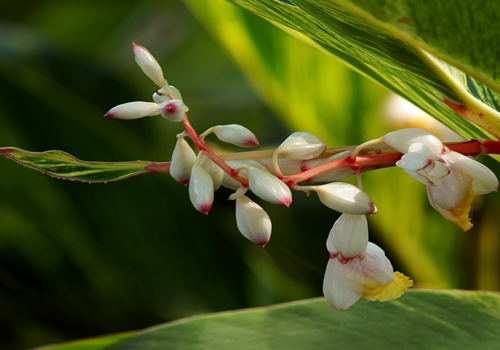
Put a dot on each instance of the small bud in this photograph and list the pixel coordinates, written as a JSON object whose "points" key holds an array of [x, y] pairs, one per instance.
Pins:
{"points": [[160, 96], [252, 221], [201, 189], [401, 140], [148, 64], [183, 160], [349, 236], [345, 198], [213, 170], [302, 146], [229, 182], [418, 157], [173, 110], [133, 110], [269, 187], [236, 134]]}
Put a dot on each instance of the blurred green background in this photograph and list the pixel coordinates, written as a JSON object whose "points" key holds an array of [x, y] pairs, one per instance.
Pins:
{"points": [[78, 260]]}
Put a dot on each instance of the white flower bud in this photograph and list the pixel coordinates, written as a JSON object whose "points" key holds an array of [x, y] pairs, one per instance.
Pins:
{"points": [[345, 198], [301, 145], [401, 140], [201, 189], [183, 159], [133, 110], [236, 134], [418, 157], [252, 221], [269, 187], [148, 64], [213, 170], [229, 182], [349, 236], [173, 110], [160, 96]]}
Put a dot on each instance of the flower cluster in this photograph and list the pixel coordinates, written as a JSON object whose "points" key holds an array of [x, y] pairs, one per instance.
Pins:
{"points": [[356, 266]]}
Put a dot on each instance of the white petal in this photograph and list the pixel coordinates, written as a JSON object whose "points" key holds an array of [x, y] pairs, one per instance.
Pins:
{"points": [[301, 145], [349, 235], [236, 134], [401, 140], [148, 64], [229, 182], [454, 187], [269, 187], [484, 180], [173, 110], [343, 284], [376, 266], [345, 198], [418, 157], [417, 177], [201, 189], [183, 159], [133, 110], [252, 221], [160, 96]]}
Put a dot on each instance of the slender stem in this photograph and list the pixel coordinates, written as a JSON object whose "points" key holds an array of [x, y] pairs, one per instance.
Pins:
{"points": [[211, 154]]}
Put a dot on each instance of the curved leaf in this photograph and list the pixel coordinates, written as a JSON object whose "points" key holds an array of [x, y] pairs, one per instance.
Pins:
{"points": [[97, 343], [418, 320], [64, 166]]}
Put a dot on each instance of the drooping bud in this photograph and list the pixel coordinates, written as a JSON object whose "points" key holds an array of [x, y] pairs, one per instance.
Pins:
{"points": [[133, 110], [213, 170], [269, 187], [201, 189], [301, 145], [349, 236], [229, 182], [401, 140], [236, 134], [183, 159], [252, 221], [332, 175], [173, 110], [345, 198], [148, 64]]}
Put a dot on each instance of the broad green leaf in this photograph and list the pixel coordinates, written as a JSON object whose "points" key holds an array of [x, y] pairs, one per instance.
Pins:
{"points": [[97, 343], [418, 320], [64, 166], [370, 50], [462, 33]]}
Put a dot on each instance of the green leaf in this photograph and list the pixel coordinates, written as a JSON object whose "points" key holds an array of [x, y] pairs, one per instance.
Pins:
{"points": [[64, 166], [98, 343], [418, 320], [369, 50], [461, 32]]}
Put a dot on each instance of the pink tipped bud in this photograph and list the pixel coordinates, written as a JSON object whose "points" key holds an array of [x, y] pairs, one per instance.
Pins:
{"points": [[401, 140], [236, 134], [345, 198], [349, 236], [229, 182], [183, 160], [301, 145], [252, 221], [269, 187], [173, 110], [148, 64], [201, 189], [133, 110]]}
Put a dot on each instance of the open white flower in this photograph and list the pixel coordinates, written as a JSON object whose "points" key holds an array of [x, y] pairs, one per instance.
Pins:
{"points": [[452, 179], [357, 267]]}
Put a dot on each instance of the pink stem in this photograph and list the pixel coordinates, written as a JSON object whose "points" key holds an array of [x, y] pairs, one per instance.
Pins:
{"points": [[211, 154]]}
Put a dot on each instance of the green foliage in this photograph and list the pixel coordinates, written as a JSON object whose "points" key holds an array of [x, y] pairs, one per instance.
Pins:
{"points": [[418, 320], [63, 165]]}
